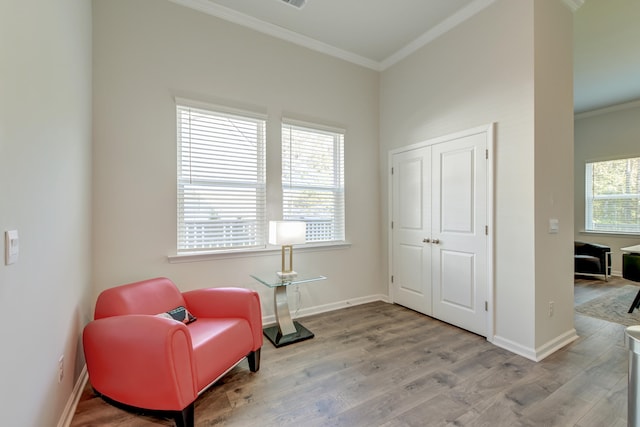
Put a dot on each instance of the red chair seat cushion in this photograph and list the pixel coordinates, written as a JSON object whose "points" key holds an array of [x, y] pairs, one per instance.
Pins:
{"points": [[218, 344]]}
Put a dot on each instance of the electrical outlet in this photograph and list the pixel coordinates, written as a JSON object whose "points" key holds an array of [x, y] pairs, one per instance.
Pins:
{"points": [[551, 303], [60, 368]]}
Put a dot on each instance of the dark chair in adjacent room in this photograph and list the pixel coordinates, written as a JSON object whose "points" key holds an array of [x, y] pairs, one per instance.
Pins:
{"points": [[592, 259]]}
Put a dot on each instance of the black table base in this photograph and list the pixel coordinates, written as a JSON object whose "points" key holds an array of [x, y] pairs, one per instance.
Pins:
{"points": [[274, 335]]}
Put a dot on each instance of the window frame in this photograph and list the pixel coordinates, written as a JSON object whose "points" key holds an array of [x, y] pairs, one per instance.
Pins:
{"points": [[337, 187], [272, 174], [260, 185], [590, 198]]}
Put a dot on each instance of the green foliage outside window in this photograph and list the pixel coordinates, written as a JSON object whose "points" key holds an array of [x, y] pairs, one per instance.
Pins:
{"points": [[613, 195]]}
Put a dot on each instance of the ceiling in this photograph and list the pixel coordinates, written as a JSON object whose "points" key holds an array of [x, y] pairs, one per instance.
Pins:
{"points": [[606, 54], [606, 38]]}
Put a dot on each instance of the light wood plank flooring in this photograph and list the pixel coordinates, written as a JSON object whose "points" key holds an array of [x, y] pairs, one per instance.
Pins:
{"points": [[383, 365]]}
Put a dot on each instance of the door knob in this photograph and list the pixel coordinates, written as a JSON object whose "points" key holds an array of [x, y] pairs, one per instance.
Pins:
{"points": [[425, 240], [436, 241]]}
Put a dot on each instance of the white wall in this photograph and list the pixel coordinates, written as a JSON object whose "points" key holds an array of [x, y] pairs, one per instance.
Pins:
{"points": [[148, 51], [553, 30], [606, 134], [45, 155], [481, 72]]}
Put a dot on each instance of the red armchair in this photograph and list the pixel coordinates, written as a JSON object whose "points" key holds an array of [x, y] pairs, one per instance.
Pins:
{"points": [[140, 357]]}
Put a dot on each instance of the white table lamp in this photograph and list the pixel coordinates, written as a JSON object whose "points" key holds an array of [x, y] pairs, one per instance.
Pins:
{"points": [[287, 234]]}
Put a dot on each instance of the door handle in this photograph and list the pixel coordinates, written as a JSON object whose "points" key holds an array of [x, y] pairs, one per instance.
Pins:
{"points": [[425, 240], [436, 241]]}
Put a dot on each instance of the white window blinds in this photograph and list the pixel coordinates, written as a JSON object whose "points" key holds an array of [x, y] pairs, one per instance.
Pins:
{"points": [[313, 181], [221, 180], [612, 196]]}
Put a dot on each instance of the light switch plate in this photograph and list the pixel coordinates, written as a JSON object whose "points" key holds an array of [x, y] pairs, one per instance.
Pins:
{"points": [[11, 246], [554, 226]]}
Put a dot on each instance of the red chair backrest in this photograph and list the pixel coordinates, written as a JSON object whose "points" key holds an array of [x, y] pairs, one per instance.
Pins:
{"points": [[150, 296]]}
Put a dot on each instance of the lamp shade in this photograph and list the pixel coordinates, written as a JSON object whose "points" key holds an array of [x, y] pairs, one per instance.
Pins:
{"points": [[287, 232]]}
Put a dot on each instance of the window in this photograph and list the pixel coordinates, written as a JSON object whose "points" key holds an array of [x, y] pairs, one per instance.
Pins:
{"points": [[313, 180], [613, 196], [221, 179]]}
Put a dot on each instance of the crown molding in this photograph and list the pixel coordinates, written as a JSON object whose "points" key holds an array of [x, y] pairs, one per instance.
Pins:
{"points": [[574, 5], [606, 110], [276, 31], [231, 15], [444, 26]]}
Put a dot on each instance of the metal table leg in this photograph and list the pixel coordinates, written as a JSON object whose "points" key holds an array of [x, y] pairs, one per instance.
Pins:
{"points": [[286, 331], [636, 303]]}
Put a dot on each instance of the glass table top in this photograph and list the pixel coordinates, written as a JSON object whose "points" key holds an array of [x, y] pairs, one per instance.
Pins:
{"points": [[272, 280]]}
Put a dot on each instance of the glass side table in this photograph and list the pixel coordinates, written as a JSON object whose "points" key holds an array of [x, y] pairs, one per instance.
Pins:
{"points": [[286, 331]]}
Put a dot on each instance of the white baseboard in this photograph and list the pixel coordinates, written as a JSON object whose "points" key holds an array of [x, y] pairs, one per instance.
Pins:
{"points": [[556, 344], [271, 319], [539, 353], [515, 347], [74, 398]]}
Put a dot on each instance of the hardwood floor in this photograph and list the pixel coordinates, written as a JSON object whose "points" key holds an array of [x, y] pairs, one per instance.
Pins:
{"points": [[383, 365]]}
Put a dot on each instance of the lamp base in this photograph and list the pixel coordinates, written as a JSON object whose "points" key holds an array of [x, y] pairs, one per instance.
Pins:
{"points": [[287, 275]]}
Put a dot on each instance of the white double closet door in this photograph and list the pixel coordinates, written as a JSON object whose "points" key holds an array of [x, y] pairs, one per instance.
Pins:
{"points": [[440, 244]]}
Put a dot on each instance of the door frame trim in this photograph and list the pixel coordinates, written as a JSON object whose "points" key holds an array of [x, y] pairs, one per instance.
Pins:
{"points": [[489, 130]]}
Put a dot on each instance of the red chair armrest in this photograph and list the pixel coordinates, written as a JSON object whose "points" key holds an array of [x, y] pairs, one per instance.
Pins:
{"points": [[152, 356], [228, 303]]}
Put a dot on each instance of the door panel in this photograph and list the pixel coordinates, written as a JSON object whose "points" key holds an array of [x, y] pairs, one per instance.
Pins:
{"points": [[457, 190], [410, 190], [457, 270], [458, 225], [411, 216], [410, 265]]}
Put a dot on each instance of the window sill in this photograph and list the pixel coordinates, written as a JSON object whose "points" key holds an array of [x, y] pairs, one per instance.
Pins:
{"points": [[610, 233], [255, 252]]}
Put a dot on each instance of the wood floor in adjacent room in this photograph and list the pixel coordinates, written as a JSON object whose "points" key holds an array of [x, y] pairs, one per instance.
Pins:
{"points": [[380, 364]]}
